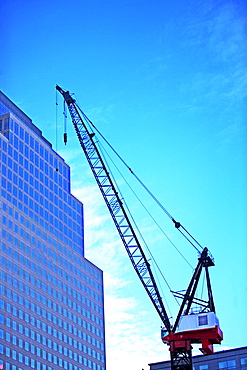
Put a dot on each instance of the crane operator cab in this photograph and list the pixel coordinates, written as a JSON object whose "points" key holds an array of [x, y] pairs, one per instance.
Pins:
{"points": [[197, 321], [200, 327]]}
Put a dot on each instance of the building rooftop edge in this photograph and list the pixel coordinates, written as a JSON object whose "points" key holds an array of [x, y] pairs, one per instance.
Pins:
{"points": [[16, 111], [225, 350]]}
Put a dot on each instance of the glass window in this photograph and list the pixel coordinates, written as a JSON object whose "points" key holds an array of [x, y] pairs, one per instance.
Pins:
{"points": [[7, 351], [7, 335], [202, 320], [26, 303], [230, 364], [243, 362], [21, 133], [26, 361], [14, 311], [26, 138], [55, 359], [14, 325], [55, 346]]}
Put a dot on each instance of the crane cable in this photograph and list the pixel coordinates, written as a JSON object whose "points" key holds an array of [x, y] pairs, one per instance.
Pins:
{"points": [[65, 122], [134, 222], [143, 205], [177, 224], [56, 120]]}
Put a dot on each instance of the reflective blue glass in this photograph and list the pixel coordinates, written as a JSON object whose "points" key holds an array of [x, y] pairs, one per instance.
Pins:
{"points": [[44, 237]]}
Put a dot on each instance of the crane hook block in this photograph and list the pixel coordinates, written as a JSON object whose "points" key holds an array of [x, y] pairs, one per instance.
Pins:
{"points": [[177, 224], [65, 138]]}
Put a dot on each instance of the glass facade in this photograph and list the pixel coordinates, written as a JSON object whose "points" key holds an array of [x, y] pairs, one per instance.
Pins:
{"points": [[51, 296]]}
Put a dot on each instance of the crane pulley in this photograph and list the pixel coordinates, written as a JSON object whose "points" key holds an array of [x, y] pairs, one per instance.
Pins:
{"points": [[202, 327]]}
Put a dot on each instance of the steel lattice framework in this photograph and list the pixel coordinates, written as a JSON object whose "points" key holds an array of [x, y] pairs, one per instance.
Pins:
{"points": [[178, 341], [115, 206]]}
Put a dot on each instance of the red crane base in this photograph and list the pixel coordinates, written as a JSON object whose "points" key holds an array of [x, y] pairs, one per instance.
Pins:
{"points": [[183, 340]]}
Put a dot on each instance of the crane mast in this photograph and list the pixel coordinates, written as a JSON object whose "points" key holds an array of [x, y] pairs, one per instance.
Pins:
{"points": [[179, 341]]}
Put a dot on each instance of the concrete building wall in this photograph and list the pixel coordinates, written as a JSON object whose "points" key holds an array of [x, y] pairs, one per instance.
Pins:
{"points": [[233, 359]]}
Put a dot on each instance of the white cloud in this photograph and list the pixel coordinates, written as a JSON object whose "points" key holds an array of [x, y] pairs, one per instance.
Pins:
{"points": [[132, 332], [132, 341], [222, 36]]}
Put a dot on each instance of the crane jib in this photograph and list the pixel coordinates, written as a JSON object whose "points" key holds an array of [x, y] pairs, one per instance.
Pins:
{"points": [[116, 208]]}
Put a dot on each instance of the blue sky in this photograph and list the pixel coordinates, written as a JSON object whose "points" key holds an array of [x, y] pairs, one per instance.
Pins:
{"points": [[166, 84]]}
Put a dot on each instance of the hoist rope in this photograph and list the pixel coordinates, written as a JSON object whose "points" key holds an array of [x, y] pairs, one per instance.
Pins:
{"points": [[185, 236], [65, 116], [181, 229], [177, 224], [143, 205], [102, 151], [56, 120], [126, 165], [193, 239]]}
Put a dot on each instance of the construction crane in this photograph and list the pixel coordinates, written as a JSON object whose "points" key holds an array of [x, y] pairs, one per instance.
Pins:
{"points": [[190, 327]]}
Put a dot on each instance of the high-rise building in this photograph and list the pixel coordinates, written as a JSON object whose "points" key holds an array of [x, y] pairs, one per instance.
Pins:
{"points": [[51, 296]]}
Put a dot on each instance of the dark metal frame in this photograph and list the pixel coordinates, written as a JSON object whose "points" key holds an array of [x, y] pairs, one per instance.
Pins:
{"points": [[181, 358], [189, 297], [116, 209]]}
